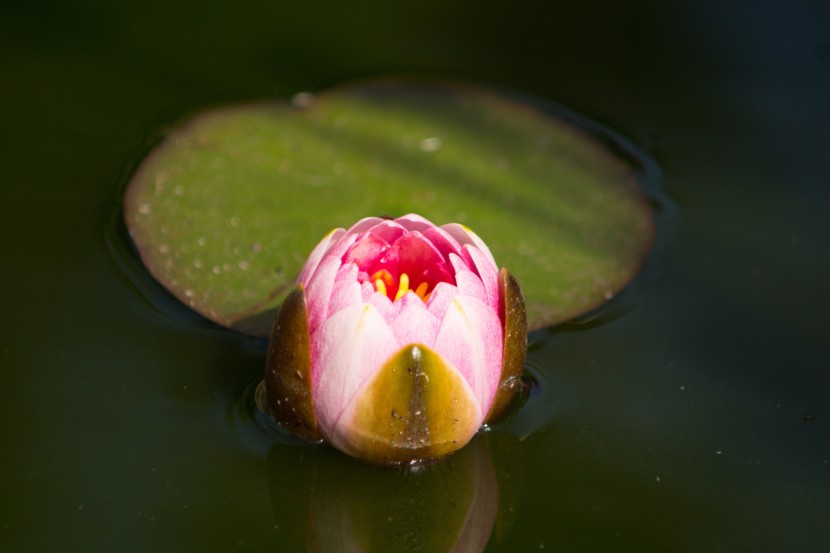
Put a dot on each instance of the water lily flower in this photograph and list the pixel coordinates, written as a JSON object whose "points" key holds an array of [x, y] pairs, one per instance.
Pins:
{"points": [[399, 341]]}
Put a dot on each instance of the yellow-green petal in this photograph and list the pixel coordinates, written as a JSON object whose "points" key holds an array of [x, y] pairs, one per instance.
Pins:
{"points": [[416, 407]]}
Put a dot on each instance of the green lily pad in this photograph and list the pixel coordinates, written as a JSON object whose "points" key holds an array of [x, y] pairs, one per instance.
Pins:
{"points": [[226, 209]]}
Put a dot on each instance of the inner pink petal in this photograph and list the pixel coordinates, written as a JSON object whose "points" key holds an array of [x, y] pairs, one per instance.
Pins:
{"points": [[442, 240], [416, 256], [366, 291], [384, 305], [415, 325], [460, 264], [413, 221], [387, 230], [469, 284], [440, 299], [366, 251]]}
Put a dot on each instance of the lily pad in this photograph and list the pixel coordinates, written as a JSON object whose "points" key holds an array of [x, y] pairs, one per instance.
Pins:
{"points": [[225, 210]]}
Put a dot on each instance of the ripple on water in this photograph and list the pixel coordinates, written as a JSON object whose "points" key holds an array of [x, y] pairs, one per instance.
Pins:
{"points": [[248, 415]]}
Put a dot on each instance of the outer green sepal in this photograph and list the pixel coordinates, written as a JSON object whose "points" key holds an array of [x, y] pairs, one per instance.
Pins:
{"points": [[515, 345], [288, 368]]}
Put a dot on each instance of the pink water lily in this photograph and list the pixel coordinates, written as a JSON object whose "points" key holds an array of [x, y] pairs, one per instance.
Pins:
{"points": [[400, 340]]}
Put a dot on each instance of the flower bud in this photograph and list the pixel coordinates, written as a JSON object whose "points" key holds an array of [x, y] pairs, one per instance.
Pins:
{"points": [[400, 340]]}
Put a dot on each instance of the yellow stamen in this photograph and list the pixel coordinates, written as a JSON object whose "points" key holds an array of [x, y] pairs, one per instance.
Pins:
{"points": [[403, 287], [384, 282], [380, 286], [383, 274]]}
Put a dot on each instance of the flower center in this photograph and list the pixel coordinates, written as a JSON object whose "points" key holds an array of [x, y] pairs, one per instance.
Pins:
{"points": [[384, 283]]}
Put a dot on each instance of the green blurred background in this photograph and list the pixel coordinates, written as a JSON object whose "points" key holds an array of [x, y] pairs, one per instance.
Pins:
{"points": [[693, 414]]}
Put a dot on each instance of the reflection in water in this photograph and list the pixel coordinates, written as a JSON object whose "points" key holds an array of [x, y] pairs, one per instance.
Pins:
{"points": [[327, 502]]}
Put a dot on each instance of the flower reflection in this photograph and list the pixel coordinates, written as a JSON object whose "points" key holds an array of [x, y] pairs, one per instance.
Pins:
{"points": [[325, 502]]}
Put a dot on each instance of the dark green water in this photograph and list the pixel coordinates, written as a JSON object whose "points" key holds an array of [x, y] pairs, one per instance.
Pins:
{"points": [[692, 415]]}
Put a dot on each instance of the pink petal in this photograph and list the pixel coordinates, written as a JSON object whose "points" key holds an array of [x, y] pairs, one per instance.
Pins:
{"points": [[442, 240], [346, 289], [366, 291], [363, 225], [470, 338], [413, 221], [461, 264], [466, 236], [489, 274], [469, 284], [420, 259], [440, 298], [387, 230], [346, 349], [491, 331], [339, 248], [458, 343], [384, 305], [365, 251], [318, 291], [317, 255], [410, 298], [414, 324]]}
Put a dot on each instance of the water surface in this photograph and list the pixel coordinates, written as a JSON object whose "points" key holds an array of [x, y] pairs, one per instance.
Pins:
{"points": [[691, 416]]}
